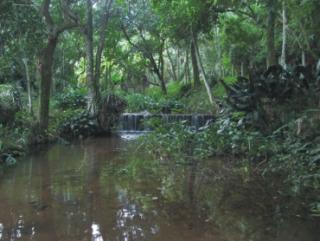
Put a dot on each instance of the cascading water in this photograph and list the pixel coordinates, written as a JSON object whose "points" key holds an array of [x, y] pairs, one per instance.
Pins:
{"points": [[138, 122]]}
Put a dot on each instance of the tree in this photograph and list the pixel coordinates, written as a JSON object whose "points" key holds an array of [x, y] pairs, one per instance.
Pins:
{"points": [[284, 36], [93, 65], [140, 28], [271, 22], [190, 18], [54, 30], [21, 37]]}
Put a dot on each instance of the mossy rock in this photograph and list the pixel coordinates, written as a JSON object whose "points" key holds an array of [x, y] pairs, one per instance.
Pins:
{"points": [[9, 104]]}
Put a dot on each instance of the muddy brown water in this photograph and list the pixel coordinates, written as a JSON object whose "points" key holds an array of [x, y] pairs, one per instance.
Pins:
{"points": [[72, 193]]}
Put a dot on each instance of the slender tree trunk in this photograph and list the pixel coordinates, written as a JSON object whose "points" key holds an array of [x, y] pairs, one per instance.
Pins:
{"points": [[184, 72], [46, 56], [205, 80], [284, 37], [195, 67], [303, 58], [161, 66], [102, 37], [272, 59], [187, 67], [63, 71], [46, 62], [242, 69], [93, 99], [159, 71], [178, 63], [26, 66], [173, 69]]}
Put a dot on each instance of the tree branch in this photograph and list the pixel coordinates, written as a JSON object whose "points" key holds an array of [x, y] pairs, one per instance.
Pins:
{"points": [[103, 29], [46, 14]]}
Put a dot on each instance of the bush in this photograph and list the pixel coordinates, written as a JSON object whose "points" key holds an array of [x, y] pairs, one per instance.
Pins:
{"points": [[9, 104], [271, 94], [198, 102], [13, 143], [140, 102], [154, 92], [81, 125], [174, 89], [72, 98]]}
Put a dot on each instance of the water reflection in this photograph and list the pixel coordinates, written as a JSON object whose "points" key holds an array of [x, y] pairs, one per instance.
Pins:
{"points": [[71, 193], [96, 234], [1, 230]]}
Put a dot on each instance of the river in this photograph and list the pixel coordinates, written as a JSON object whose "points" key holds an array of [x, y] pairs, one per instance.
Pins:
{"points": [[78, 193]]}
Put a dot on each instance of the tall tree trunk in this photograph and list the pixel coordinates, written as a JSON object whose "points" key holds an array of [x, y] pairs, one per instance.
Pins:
{"points": [[26, 67], [173, 69], [102, 37], [93, 99], [178, 64], [45, 68], [242, 69], [303, 58], [205, 79], [159, 71], [187, 67], [161, 66], [46, 56], [195, 67], [284, 36], [271, 7]]}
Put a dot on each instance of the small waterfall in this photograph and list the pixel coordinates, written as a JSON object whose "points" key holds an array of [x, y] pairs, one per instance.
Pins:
{"points": [[132, 122], [137, 122]]}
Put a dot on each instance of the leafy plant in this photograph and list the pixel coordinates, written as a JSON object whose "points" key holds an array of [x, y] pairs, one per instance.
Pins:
{"points": [[79, 126], [139, 102], [72, 98]]}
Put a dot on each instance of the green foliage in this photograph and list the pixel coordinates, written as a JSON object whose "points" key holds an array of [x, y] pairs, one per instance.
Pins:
{"points": [[174, 89], [219, 89], [265, 96], [9, 104], [245, 38], [139, 102], [197, 101], [16, 138], [154, 92], [290, 162], [72, 98], [79, 126]]}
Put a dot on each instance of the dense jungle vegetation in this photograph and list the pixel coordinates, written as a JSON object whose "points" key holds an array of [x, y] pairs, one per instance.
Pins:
{"points": [[69, 68]]}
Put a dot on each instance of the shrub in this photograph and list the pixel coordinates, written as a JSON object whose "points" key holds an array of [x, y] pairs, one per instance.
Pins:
{"points": [[198, 102], [72, 98], [13, 143], [9, 104], [139, 102], [81, 125]]}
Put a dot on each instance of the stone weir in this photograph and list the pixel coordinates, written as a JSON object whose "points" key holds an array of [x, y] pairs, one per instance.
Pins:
{"points": [[137, 122]]}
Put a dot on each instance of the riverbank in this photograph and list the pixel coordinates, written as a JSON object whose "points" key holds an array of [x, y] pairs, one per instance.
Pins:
{"points": [[283, 162]]}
